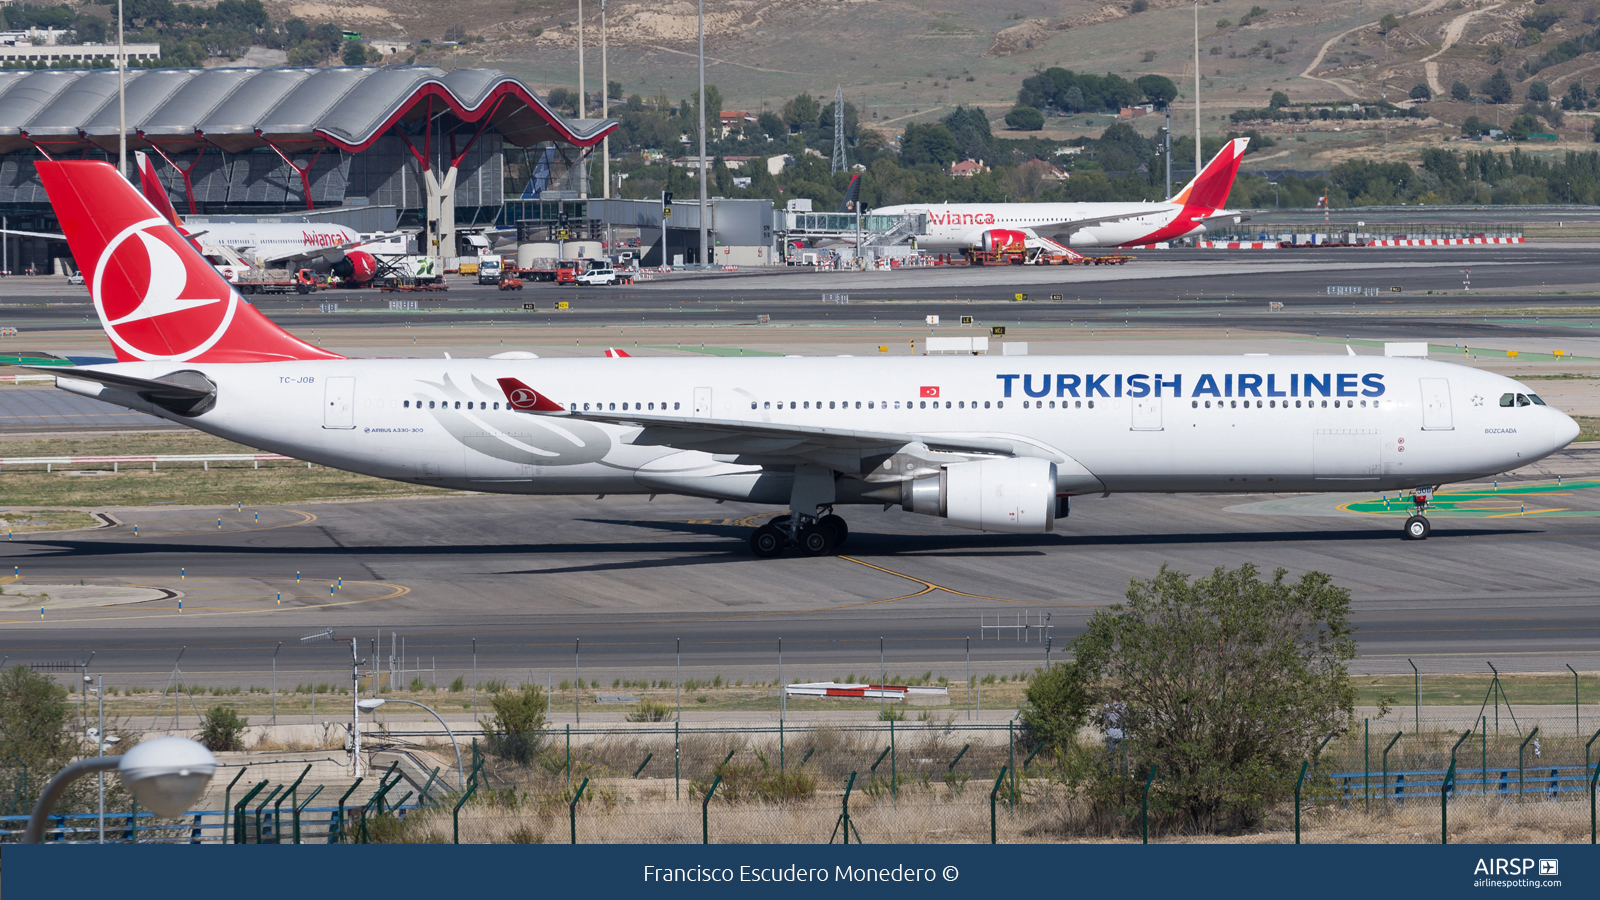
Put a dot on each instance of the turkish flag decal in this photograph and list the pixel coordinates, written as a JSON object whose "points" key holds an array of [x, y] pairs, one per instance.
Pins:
{"points": [[930, 391]]}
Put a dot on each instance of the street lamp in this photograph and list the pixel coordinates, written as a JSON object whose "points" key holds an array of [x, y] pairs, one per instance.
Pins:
{"points": [[372, 703], [166, 775]]}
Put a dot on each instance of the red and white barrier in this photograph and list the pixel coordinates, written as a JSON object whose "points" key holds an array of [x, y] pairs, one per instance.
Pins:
{"points": [[1239, 245], [1444, 242], [859, 691], [1159, 245]]}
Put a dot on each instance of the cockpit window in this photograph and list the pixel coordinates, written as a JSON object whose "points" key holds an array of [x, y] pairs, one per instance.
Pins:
{"points": [[1508, 399], [1536, 400], [1522, 400]]}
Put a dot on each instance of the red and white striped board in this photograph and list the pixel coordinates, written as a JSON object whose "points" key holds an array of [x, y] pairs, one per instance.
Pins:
{"points": [[861, 691], [1444, 242], [1159, 245], [1239, 245]]}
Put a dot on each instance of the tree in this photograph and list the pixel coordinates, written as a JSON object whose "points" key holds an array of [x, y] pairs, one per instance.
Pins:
{"points": [[1459, 92], [927, 144], [1226, 683], [1388, 23], [1539, 92], [801, 112], [1025, 118], [1498, 87], [1421, 92], [1072, 100], [969, 128], [614, 90], [770, 123], [37, 737], [1279, 100], [516, 731], [1158, 89], [222, 728], [353, 54]]}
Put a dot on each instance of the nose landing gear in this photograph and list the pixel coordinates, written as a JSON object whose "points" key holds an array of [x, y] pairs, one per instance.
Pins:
{"points": [[1417, 526]]}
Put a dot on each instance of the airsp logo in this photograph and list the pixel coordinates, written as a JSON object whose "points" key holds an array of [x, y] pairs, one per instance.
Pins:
{"points": [[158, 303], [1524, 866]]}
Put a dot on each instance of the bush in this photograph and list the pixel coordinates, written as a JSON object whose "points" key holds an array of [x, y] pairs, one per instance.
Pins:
{"points": [[516, 731], [1025, 118], [1539, 92], [222, 728], [459, 685], [650, 711], [1460, 92], [1058, 705], [1421, 92], [1226, 683]]}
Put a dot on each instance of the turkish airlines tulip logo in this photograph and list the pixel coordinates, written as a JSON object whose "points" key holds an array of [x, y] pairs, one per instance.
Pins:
{"points": [[157, 298], [523, 398]]}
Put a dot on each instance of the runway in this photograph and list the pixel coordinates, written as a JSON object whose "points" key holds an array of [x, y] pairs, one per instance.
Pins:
{"points": [[528, 577]]}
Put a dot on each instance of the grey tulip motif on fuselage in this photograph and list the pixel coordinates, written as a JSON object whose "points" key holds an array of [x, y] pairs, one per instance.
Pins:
{"points": [[515, 437]]}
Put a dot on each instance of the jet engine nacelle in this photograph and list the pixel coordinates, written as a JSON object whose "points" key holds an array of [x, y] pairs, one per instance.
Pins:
{"points": [[357, 267], [1003, 240], [1011, 495]]}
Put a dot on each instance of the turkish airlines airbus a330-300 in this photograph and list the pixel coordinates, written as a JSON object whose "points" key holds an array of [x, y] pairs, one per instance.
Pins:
{"points": [[990, 443]]}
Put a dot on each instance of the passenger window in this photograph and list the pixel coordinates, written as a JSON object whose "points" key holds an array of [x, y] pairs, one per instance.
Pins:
{"points": [[497, 405], [806, 405], [1508, 399], [752, 404], [830, 404], [1000, 404], [791, 404], [613, 406], [674, 406], [858, 404], [407, 404], [767, 405], [430, 404], [1091, 404]]}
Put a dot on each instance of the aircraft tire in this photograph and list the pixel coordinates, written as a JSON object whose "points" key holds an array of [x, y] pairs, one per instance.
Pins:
{"points": [[816, 540], [767, 542], [837, 523], [1417, 528]]}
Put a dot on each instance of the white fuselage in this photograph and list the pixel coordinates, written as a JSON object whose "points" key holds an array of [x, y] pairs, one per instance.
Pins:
{"points": [[1220, 423], [270, 240], [957, 226]]}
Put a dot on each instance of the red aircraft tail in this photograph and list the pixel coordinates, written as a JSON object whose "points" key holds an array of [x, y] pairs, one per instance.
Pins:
{"points": [[1211, 187], [154, 190], [157, 297]]}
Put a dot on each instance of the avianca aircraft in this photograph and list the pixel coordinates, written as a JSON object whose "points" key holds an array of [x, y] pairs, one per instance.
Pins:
{"points": [[996, 443], [1001, 226], [324, 246]]}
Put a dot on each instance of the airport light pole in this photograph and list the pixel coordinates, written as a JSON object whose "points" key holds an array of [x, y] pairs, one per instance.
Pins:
{"points": [[1197, 88], [371, 704], [583, 107], [122, 98], [702, 161], [605, 108], [166, 775]]}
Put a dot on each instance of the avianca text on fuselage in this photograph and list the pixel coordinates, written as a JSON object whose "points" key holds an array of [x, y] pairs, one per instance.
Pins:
{"points": [[1226, 385]]}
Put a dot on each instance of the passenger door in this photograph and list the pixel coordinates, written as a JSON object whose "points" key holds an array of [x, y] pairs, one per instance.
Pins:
{"points": [[1436, 405], [702, 403], [339, 402]]}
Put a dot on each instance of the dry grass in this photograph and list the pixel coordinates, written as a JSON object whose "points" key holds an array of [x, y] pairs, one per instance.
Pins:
{"points": [[28, 521]]}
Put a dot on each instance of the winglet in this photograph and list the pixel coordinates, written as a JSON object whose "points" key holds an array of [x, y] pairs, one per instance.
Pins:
{"points": [[522, 398], [614, 353]]}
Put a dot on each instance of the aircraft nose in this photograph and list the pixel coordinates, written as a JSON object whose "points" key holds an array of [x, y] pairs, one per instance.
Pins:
{"points": [[1563, 430]]}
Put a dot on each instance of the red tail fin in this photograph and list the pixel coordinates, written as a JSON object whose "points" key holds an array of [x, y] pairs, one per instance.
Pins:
{"points": [[1211, 187], [157, 297], [154, 190]]}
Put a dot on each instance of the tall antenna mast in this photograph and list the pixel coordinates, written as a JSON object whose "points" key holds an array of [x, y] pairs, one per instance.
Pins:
{"points": [[840, 163]]}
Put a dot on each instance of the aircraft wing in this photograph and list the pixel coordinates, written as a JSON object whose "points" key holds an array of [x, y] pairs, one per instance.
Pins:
{"points": [[746, 438], [43, 234], [1075, 224]]}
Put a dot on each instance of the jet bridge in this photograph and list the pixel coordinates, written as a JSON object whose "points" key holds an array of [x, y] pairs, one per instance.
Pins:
{"points": [[845, 229]]}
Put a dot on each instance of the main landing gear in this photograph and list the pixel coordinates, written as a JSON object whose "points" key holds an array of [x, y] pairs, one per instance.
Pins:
{"points": [[810, 535], [1417, 527]]}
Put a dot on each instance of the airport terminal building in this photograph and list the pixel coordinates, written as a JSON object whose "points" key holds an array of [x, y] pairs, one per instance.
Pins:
{"points": [[417, 147]]}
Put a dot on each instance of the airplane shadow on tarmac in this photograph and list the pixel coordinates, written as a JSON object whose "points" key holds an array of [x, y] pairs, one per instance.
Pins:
{"points": [[693, 550]]}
